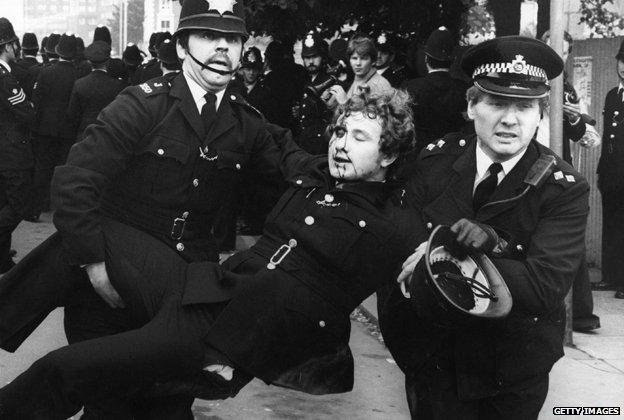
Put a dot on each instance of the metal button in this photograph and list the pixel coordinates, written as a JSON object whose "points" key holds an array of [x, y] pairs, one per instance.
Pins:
{"points": [[233, 97], [303, 117], [614, 124], [519, 247], [322, 323], [160, 152], [329, 198], [305, 95], [238, 166], [318, 135], [612, 136], [362, 223], [535, 319], [185, 215], [195, 182], [429, 225], [462, 142], [180, 246], [292, 243], [303, 106], [309, 220], [616, 113], [299, 182]]}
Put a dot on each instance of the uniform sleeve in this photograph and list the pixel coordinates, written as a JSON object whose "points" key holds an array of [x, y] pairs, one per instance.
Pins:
{"points": [[540, 283], [74, 109], [573, 132], [14, 100], [91, 166]]}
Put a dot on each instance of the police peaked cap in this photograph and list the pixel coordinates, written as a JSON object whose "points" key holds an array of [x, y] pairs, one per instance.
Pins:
{"points": [[51, 43], [385, 41], [225, 16], [440, 45], [29, 42], [512, 66], [132, 55], [102, 33], [167, 52], [313, 44], [98, 52], [252, 58], [66, 46], [7, 34]]}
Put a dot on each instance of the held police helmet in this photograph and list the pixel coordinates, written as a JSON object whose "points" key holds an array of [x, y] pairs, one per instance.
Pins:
{"points": [[453, 288], [224, 16]]}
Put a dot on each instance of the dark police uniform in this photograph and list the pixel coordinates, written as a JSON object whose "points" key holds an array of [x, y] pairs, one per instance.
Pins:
{"points": [[16, 160], [611, 185], [495, 368], [395, 74], [286, 320], [89, 96], [313, 120], [28, 61], [148, 71]]}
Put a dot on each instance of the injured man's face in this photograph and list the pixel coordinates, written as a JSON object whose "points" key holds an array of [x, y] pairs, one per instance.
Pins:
{"points": [[354, 153]]}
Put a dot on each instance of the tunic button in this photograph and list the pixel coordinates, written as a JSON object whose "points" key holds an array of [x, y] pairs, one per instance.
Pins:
{"points": [[322, 324], [185, 214], [519, 247], [160, 152], [180, 246], [238, 166], [614, 124], [309, 220], [292, 243], [429, 225], [233, 97], [612, 136], [299, 182], [616, 113], [329, 198], [196, 182], [362, 223], [462, 142]]}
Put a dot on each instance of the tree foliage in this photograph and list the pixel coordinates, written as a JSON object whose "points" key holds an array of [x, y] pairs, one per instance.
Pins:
{"points": [[601, 21], [135, 23]]}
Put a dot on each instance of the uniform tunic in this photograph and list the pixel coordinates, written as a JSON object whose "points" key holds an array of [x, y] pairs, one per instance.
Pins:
{"points": [[313, 120], [611, 185]]}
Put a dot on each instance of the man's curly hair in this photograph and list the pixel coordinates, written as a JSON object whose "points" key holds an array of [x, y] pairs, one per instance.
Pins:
{"points": [[393, 108]]}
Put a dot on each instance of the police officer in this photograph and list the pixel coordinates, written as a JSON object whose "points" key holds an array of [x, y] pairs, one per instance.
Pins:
{"points": [[161, 158], [80, 61], [132, 57], [386, 43], [30, 46], [439, 101], [313, 113], [168, 57], [16, 160], [611, 185], [93, 92], [151, 69], [55, 133], [472, 183]]}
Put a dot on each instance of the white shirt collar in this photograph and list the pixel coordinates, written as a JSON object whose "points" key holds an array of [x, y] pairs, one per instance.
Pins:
{"points": [[198, 93], [484, 162], [621, 90], [5, 65]]}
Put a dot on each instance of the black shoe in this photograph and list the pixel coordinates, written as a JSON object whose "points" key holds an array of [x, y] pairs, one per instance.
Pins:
{"points": [[602, 285], [586, 323], [9, 264], [619, 294]]}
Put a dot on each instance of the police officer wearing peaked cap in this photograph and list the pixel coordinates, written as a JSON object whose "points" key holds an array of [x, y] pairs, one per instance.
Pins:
{"points": [[162, 159], [16, 160], [494, 369], [387, 43]]}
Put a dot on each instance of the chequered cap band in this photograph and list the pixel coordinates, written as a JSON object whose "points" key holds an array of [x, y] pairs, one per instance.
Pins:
{"points": [[517, 66]]}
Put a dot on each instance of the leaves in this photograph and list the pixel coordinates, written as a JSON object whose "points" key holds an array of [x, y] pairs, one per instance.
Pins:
{"points": [[599, 18]]}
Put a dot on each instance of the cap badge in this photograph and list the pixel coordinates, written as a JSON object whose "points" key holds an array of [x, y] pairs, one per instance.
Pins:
{"points": [[221, 6], [251, 57], [518, 65], [309, 41], [381, 39]]}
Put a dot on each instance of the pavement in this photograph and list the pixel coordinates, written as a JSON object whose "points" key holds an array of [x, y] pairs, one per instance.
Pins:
{"points": [[590, 374]]}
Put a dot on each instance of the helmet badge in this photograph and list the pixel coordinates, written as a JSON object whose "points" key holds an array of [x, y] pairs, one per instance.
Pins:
{"points": [[222, 6]]}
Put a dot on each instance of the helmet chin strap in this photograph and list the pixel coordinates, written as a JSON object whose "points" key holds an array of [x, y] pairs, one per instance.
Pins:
{"points": [[207, 67]]}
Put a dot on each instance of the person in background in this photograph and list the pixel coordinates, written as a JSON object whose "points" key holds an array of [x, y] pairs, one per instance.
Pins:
{"points": [[386, 43], [80, 61], [168, 57], [30, 46], [132, 57]]}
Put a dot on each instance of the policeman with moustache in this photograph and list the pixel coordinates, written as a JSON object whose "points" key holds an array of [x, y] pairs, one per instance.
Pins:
{"points": [[161, 158], [16, 160], [494, 368]]}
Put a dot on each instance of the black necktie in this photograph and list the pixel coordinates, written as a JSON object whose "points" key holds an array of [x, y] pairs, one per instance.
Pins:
{"points": [[486, 187], [209, 111]]}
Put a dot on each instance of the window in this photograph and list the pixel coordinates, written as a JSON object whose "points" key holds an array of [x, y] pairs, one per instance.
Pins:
{"points": [[165, 25]]}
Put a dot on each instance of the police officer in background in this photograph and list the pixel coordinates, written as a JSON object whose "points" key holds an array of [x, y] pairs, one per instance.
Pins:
{"points": [[151, 69], [439, 100], [168, 57], [386, 43], [93, 92], [30, 46], [611, 185], [250, 82], [80, 61], [132, 57], [495, 368], [312, 111], [16, 160]]}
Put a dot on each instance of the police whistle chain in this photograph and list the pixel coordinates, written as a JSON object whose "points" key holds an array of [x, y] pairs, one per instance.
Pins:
{"points": [[207, 67]]}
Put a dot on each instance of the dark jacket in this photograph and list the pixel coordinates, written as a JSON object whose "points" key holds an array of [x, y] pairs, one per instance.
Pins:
{"points": [[570, 132], [28, 61], [149, 70], [89, 96], [438, 102], [545, 232], [141, 164], [314, 117], [611, 163], [51, 96], [16, 118], [395, 74]]}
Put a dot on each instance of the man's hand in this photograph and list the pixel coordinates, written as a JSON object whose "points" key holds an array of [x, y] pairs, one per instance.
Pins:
{"points": [[572, 111], [338, 93], [408, 268], [475, 236], [102, 285]]}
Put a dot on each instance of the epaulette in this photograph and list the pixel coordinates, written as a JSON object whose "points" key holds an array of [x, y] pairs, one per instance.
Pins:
{"points": [[3, 71], [238, 99], [454, 143], [156, 86]]}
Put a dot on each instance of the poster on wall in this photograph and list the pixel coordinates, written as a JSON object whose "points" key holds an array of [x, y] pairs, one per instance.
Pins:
{"points": [[582, 77]]}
